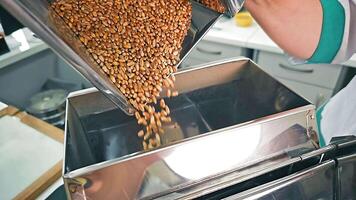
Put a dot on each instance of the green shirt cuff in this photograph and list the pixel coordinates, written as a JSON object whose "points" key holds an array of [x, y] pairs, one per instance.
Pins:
{"points": [[332, 32], [318, 120]]}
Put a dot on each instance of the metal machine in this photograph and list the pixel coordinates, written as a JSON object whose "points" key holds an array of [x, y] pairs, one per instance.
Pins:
{"points": [[236, 132], [231, 123]]}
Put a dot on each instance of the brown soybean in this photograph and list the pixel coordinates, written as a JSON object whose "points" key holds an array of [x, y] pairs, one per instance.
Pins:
{"points": [[214, 5], [162, 103], [137, 44], [140, 133]]}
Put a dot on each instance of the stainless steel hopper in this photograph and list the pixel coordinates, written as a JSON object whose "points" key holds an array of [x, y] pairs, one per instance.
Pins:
{"points": [[232, 120]]}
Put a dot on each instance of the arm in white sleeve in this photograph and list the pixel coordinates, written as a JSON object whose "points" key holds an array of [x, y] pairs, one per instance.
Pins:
{"points": [[314, 31], [339, 115], [337, 41]]}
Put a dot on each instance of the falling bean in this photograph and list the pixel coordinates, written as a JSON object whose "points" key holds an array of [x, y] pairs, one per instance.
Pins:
{"points": [[136, 57]]}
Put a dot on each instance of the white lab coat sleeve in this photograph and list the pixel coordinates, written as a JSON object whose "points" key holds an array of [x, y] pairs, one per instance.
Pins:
{"points": [[337, 41], [348, 46], [339, 115]]}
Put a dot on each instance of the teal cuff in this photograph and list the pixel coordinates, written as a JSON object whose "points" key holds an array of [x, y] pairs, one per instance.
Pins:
{"points": [[332, 32], [318, 121]]}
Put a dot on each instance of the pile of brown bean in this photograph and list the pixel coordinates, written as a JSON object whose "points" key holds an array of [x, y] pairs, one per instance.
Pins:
{"points": [[214, 5], [137, 44]]}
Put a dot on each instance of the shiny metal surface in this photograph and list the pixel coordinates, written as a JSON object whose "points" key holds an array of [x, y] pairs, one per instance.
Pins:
{"points": [[232, 6], [334, 178], [347, 177], [52, 30], [317, 152], [346, 144], [314, 183], [240, 175], [238, 123]]}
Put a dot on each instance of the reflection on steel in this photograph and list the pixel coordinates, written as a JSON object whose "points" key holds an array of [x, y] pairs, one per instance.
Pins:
{"points": [[204, 152], [314, 183], [232, 6], [226, 124], [52, 30], [331, 179], [347, 176]]}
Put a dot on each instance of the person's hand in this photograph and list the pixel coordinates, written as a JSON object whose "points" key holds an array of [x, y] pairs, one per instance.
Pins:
{"points": [[295, 28]]}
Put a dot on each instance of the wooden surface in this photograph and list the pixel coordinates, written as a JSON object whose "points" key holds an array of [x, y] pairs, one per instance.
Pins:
{"points": [[10, 110], [45, 128], [52, 174], [38, 186]]}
